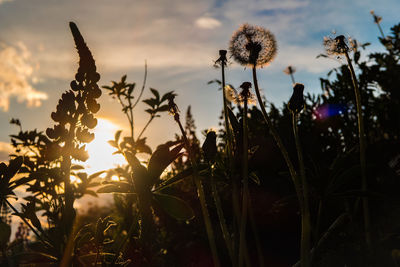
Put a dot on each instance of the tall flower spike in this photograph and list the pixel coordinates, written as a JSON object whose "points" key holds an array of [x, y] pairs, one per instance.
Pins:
{"points": [[253, 45], [86, 61]]}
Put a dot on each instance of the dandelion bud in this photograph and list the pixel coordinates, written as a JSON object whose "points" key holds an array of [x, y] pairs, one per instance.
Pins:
{"points": [[210, 146], [296, 102]]}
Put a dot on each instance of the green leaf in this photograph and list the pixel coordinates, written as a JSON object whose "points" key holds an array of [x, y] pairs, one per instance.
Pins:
{"points": [[175, 207]]}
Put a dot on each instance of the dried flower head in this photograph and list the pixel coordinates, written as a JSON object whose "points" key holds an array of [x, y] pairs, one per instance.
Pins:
{"points": [[337, 46], [239, 98], [253, 46], [222, 60], [289, 70], [377, 19]]}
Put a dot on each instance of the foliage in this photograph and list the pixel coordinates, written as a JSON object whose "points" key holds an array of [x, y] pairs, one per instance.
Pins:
{"points": [[156, 216]]}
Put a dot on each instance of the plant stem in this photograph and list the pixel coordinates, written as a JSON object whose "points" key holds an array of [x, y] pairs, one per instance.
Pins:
{"points": [[362, 141], [305, 218], [278, 141], [292, 77], [201, 196], [221, 217], [261, 261], [26, 222], [245, 193], [229, 150], [145, 127]]}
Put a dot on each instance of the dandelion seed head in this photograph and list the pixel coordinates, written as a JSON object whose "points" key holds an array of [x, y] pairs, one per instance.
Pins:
{"points": [[253, 45], [338, 45]]}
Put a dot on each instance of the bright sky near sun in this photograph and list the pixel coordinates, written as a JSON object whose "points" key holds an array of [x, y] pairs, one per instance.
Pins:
{"points": [[179, 39]]}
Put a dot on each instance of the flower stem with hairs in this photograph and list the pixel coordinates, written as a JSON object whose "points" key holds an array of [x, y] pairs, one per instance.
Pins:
{"points": [[362, 141], [245, 177], [229, 143], [305, 218], [278, 140]]}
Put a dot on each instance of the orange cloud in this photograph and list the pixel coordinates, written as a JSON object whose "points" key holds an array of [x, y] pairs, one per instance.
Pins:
{"points": [[16, 77]]}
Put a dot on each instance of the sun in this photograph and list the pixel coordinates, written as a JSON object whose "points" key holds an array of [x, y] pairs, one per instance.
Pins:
{"points": [[100, 152]]}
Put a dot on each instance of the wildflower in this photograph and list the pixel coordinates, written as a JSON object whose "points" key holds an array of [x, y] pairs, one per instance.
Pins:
{"points": [[336, 46], [296, 102], [253, 46]]}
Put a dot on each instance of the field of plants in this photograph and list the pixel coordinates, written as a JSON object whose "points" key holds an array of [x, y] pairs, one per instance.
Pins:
{"points": [[312, 183]]}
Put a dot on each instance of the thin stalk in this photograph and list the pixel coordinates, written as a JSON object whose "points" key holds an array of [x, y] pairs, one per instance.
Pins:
{"points": [[229, 149], [201, 196], [256, 234], [318, 221], [145, 127], [245, 193], [305, 218], [362, 141], [278, 140], [221, 217], [26, 222], [380, 29], [97, 256], [292, 77]]}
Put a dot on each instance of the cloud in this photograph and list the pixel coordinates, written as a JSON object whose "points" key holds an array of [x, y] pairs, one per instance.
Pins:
{"points": [[16, 77], [5, 150], [3, 1], [207, 23]]}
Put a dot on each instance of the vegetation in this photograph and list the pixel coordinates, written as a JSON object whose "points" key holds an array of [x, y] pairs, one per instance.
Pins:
{"points": [[314, 183]]}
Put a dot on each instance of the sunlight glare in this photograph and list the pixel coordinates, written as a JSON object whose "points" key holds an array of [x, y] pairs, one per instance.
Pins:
{"points": [[100, 152]]}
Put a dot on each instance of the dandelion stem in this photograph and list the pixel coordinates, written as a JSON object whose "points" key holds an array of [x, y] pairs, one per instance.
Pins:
{"points": [[305, 218], [362, 141], [256, 235], [229, 149], [278, 140], [245, 193], [201, 196], [221, 217], [292, 77]]}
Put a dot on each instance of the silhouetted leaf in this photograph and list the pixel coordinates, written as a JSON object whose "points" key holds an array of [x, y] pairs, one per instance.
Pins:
{"points": [[175, 207]]}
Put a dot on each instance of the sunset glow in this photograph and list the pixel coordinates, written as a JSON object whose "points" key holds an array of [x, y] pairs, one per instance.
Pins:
{"points": [[100, 152]]}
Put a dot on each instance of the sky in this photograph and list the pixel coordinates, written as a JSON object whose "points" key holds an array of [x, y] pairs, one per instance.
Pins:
{"points": [[179, 39]]}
